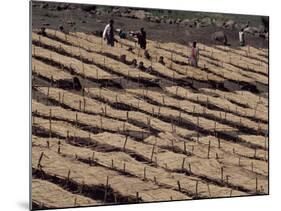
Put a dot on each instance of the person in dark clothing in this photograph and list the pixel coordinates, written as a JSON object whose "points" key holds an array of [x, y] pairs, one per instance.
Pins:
{"points": [[141, 38], [42, 31], [108, 33], [76, 84], [122, 34]]}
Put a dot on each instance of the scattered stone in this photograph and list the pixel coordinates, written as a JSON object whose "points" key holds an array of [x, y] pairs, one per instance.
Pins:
{"points": [[88, 8], [146, 54], [134, 63], [229, 24], [61, 28], [137, 14], [71, 23], [149, 69], [205, 22], [130, 49], [155, 19], [218, 23], [141, 67], [251, 30], [178, 21], [185, 22], [44, 5], [123, 58], [42, 31], [266, 35], [220, 37], [76, 84], [170, 21], [98, 33], [62, 6], [261, 29], [161, 60]]}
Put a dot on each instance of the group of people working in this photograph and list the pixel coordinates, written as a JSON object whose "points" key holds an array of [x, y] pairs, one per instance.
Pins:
{"points": [[108, 35]]}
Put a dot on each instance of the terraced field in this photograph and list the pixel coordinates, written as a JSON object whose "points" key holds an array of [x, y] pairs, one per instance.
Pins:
{"points": [[135, 134]]}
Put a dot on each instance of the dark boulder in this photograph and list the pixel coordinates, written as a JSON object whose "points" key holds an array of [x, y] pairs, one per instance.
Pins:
{"points": [[220, 37], [76, 84]]}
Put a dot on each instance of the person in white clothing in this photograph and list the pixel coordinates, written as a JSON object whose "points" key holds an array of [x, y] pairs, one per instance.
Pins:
{"points": [[108, 33], [242, 37]]}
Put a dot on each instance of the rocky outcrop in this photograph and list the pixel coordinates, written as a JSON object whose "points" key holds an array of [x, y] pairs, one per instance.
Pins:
{"points": [[229, 24], [220, 37]]}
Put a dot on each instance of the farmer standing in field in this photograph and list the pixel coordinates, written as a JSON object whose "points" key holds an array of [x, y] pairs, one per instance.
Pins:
{"points": [[141, 37], [194, 56], [108, 33], [242, 37]]}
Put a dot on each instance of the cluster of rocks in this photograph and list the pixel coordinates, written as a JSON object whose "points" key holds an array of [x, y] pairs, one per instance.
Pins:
{"points": [[195, 22], [141, 14]]}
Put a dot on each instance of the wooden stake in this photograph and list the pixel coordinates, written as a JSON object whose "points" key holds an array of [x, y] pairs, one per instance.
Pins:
{"points": [[144, 173], [179, 185], [124, 146], [256, 184], [106, 187], [124, 167], [48, 91], [137, 196], [209, 147], [79, 105], [67, 135], [112, 163], [227, 178], [222, 173], [90, 161], [196, 188], [59, 98], [50, 123], [209, 191], [100, 122], [76, 119], [182, 166], [84, 104], [189, 167], [68, 176], [40, 159], [151, 157], [59, 147]]}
